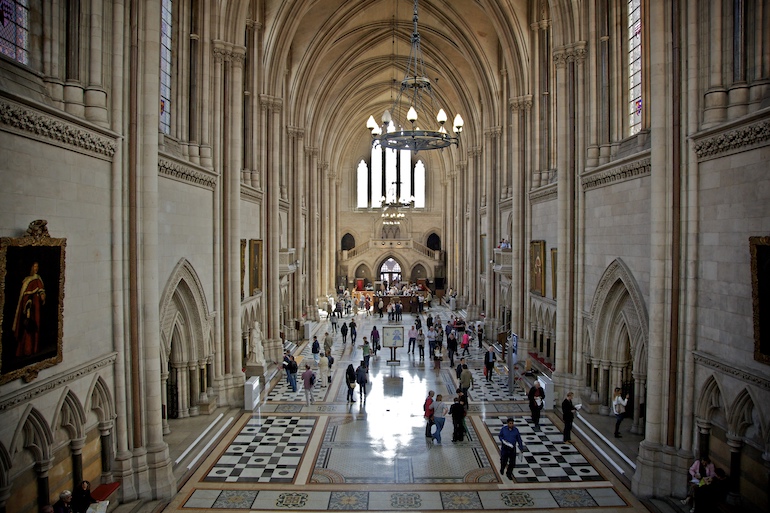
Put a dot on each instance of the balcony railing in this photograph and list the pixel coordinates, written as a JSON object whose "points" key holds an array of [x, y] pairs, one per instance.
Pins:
{"points": [[287, 261], [503, 262], [390, 244]]}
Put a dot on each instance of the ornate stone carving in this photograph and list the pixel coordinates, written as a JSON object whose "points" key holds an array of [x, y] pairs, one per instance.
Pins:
{"points": [[546, 193], [733, 139], [29, 394], [178, 171], [621, 173], [47, 127], [725, 368]]}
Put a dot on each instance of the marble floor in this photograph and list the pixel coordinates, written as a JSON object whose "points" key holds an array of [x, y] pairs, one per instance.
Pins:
{"points": [[372, 455]]}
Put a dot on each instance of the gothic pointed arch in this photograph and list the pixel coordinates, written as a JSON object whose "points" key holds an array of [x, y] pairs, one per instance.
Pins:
{"points": [[711, 406], [5, 467], [183, 306], [100, 400], [70, 415], [741, 417], [33, 434], [618, 301]]}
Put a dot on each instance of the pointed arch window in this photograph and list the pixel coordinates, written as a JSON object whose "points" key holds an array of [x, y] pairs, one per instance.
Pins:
{"points": [[14, 30], [635, 66], [390, 174], [165, 65]]}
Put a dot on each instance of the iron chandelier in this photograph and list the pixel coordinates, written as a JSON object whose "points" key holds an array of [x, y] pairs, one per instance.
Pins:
{"points": [[416, 88]]}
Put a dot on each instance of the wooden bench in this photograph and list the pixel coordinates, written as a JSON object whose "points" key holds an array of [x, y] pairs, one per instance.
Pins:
{"points": [[104, 492]]}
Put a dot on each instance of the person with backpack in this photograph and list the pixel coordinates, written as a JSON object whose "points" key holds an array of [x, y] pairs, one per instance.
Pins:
{"points": [[330, 358], [362, 379], [316, 349], [344, 332], [308, 382]]}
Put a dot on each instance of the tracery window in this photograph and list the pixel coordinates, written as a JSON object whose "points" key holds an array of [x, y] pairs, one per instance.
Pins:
{"points": [[391, 175], [634, 66], [165, 66], [14, 29]]}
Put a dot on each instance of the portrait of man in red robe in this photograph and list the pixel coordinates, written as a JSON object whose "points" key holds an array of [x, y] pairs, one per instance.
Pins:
{"points": [[26, 323]]}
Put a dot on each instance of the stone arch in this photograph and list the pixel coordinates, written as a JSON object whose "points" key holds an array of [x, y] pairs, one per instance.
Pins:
{"points": [[711, 403], [34, 434], [433, 241], [347, 242], [741, 415], [100, 400], [5, 471], [70, 415]]}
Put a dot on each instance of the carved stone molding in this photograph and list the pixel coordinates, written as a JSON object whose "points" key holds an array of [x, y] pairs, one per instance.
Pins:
{"points": [[733, 140], [493, 132], [29, 394], [46, 127], [604, 177], [183, 173], [736, 372], [295, 132], [546, 193]]}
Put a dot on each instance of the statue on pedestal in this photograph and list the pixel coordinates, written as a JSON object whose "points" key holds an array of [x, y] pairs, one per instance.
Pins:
{"points": [[256, 351]]}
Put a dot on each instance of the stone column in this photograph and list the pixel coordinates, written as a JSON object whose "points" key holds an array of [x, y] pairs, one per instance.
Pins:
{"points": [[640, 381], [203, 376], [96, 96], [735, 443], [715, 99], [76, 448], [312, 220], [105, 434], [192, 372], [704, 435], [43, 488], [164, 401], [273, 331], [183, 393], [604, 387]]}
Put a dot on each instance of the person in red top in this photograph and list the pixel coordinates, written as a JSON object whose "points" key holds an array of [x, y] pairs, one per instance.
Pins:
{"points": [[428, 412]]}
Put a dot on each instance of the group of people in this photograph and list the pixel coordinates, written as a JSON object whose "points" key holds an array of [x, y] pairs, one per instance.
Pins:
{"points": [[708, 485], [76, 501]]}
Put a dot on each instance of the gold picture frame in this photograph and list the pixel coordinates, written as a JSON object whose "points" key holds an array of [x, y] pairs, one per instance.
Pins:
{"points": [[537, 267], [243, 268], [255, 266], [31, 303], [760, 296], [553, 272]]}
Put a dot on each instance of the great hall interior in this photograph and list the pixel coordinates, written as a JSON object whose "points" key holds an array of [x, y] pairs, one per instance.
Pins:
{"points": [[187, 186]]}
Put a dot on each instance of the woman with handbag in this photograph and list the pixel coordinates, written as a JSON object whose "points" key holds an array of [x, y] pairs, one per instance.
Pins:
{"points": [[350, 379], [619, 409]]}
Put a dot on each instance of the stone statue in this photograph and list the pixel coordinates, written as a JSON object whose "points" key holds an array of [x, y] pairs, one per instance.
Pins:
{"points": [[256, 352]]}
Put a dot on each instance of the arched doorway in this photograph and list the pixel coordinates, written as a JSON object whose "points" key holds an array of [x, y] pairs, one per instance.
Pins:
{"points": [[433, 242], [390, 273], [348, 242]]}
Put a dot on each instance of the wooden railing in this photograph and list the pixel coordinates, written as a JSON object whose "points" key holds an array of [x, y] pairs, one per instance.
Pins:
{"points": [[389, 244]]}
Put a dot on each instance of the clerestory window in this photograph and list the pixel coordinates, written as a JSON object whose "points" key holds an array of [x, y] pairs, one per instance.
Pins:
{"points": [[390, 174], [14, 30]]}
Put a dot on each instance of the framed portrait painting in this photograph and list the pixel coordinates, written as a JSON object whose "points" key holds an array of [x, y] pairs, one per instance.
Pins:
{"points": [[537, 267], [553, 271], [255, 266], [31, 303]]}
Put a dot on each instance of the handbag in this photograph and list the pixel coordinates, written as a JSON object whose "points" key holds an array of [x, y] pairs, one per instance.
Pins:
{"points": [[352, 385]]}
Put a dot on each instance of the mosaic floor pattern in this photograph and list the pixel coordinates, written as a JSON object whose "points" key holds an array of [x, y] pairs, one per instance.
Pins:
{"points": [[373, 455]]}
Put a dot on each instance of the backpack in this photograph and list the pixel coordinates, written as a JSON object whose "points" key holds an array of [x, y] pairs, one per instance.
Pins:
{"points": [[316, 347], [331, 360], [312, 380]]}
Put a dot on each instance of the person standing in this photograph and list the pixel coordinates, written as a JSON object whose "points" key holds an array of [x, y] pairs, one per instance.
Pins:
{"points": [[466, 341], [350, 379], [366, 350], [426, 406], [380, 307], [618, 409], [568, 411], [328, 342], [439, 410], [451, 347], [421, 344], [81, 497], [334, 323], [362, 379], [431, 338], [323, 369], [489, 363], [536, 398], [480, 334], [509, 437], [308, 382], [315, 348], [353, 331], [459, 369], [344, 332], [293, 369], [412, 335], [466, 380]]}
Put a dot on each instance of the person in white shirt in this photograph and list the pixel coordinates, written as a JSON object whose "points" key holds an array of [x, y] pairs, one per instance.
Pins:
{"points": [[618, 409]]}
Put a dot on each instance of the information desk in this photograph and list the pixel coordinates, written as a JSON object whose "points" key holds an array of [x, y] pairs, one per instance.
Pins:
{"points": [[408, 303]]}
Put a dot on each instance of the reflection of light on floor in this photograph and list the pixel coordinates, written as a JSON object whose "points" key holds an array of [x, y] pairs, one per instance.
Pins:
{"points": [[394, 410]]}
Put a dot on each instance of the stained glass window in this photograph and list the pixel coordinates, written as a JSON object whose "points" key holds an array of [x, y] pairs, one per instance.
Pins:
{"points": [[165, 67], [634, 66], [14, 29]]}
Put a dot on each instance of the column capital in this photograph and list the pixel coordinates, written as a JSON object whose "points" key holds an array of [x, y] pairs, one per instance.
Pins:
{"points": [[704, 425], [560, 58], [735, 442], [493, 132], [475, 151], [310, 151], [238, 56], [295, 132]]}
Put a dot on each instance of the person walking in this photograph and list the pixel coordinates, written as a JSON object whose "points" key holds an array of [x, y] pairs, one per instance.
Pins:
{"points": [[439, 410], [618, 409], [536, 398], [509, 437], [350, 380], [421, 344], [308, 382], [328, 342], [375, 340], [362, 379], [457, 411], [315, 348], [334, 323], [489, 363], [353, 331], [344, 332], [568, 411], [466, 341], [323, 369], [466, 380], [451, 347], [480, 335], [293, 368]]}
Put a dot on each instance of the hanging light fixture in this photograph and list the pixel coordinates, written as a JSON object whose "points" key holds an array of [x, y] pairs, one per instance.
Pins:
{"points": [[393, 208], [416, 88]]}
